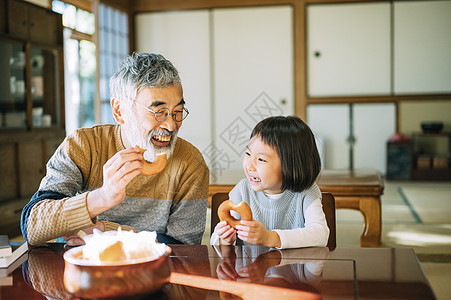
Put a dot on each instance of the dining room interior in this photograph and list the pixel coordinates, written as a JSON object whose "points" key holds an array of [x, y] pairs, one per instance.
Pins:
{"points": [[372, 82]]}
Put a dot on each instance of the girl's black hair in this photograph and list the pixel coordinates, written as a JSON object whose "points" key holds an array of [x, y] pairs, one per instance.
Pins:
{"points": [[295, 143]]}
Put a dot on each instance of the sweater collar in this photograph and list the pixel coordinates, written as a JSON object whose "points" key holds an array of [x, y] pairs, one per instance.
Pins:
{"points": [[118, 138]]}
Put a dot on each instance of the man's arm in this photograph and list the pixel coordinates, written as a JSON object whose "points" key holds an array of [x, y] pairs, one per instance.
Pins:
{"points": [[46, 217], [58, 207], [62, 206]]}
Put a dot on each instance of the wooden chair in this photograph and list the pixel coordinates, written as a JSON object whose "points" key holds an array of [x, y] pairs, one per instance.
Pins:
{"points": [[328, 202]]}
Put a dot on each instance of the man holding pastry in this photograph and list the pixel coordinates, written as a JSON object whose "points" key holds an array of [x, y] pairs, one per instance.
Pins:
{"points": [[101, 177]]}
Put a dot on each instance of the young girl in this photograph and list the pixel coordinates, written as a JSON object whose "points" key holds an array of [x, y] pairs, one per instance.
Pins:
{"points": [[281, 165]]}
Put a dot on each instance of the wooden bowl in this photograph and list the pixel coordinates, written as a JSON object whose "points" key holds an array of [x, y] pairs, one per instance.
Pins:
{"points": [[86, 279]]}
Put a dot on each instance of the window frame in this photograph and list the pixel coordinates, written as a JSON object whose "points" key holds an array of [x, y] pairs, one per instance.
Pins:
{"points": [[93, 7]]}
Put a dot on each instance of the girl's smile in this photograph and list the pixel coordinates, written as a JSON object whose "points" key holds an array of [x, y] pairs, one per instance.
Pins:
{"points": [[262, 167], [255, 179]]}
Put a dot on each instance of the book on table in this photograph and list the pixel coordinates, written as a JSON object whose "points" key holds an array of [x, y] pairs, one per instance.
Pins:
{"points": [[18, 249], [5, 246], [11, 260], [6, 278]]}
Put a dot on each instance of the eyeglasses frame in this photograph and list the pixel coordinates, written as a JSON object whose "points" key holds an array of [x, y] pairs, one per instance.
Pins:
{"points": [[169, 114]]}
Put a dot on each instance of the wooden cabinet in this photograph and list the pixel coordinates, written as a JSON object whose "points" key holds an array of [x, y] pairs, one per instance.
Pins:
{"points": [[44, 26], [2, 15], [31, 103], [432, 155], [22, 164], [378, 48], [17, 16], [426, 157], [31, 57], [399, 160], [9, 173], [33, 22]]}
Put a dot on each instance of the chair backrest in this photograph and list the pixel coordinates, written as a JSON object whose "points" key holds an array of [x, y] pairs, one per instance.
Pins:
{"points": [[216, 200], [328, 202]]}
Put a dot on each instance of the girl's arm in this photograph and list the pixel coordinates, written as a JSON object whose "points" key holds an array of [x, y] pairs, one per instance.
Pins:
{"points": [[314, 234], [214, 239]]}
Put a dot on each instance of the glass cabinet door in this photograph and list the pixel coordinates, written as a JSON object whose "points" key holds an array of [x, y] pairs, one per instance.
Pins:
{"points": [[13, 87], [45, 88]]}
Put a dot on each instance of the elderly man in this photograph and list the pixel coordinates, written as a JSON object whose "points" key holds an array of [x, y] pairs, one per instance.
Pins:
{"points": [[94, 178]]}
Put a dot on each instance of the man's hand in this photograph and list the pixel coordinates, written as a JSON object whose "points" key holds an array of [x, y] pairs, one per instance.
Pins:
{"points": [[76, 239], [118, 171]]}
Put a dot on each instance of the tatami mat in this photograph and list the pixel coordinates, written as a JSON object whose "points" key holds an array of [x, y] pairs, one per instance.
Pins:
{"points": [[430, 204], [415, 215], [439, 278]]}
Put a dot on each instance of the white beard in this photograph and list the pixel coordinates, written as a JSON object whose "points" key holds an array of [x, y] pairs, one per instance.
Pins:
{"points": [[136, 136]]}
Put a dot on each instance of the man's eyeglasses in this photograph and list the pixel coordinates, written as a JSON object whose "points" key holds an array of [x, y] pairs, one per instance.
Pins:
{"points": [[163, 114]]}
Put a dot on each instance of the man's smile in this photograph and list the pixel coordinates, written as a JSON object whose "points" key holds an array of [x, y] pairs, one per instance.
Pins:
{"points": [[162, 138]]}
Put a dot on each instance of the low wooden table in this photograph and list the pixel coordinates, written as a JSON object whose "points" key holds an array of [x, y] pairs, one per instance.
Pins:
{"points": [[358, 189], [316, 272]]}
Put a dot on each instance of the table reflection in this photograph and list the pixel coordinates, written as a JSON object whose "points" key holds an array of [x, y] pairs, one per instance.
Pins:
{"points": [[300, 269], [44, 271], [345, 273], [272, 267]]}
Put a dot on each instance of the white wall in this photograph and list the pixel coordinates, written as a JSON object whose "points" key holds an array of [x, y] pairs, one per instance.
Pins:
{"points": [[415, 112], [183, 38], [236, 67], [190, 31]]}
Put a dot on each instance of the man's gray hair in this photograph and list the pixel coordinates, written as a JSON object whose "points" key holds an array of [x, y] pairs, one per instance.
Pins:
{"points": [[142, 70]]}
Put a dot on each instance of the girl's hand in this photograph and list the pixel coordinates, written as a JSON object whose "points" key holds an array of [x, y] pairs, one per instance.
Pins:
{"points": [[252, 273], [226, 233], [254, 232], [256, 271], [226, 269]]}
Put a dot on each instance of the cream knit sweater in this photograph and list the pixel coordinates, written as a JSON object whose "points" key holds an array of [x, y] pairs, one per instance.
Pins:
{"points": [[173, 202]]}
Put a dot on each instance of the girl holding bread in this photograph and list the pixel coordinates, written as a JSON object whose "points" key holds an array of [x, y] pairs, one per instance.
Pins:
{"points": [[281, 165]]}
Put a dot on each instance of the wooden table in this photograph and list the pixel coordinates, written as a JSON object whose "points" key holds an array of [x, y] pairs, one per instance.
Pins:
{"points": [[358, 189], [344, 273]]}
